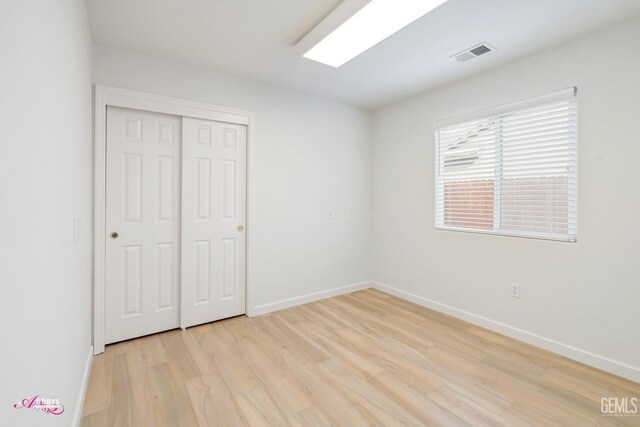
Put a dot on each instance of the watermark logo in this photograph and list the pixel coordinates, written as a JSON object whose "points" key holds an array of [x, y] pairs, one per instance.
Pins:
{"points": [[619, 406], [48, 406]]}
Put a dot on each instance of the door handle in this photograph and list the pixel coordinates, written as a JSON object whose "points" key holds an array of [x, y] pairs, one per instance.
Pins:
{"points": [[114, 235], [240, 228]]}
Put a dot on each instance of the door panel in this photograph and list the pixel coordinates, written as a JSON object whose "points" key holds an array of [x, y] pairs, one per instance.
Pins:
{"points": [[143, 208], [214, 209]]}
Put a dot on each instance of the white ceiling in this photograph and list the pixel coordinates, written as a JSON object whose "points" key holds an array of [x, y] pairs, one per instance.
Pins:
{"points": [[255, 38]]}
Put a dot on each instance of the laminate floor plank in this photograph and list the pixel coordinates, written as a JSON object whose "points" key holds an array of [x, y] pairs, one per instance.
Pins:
{"points": [[363, 359]]}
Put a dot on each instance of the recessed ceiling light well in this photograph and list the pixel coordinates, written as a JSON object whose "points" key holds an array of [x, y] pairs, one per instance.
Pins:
{"points": [[357, 25]]}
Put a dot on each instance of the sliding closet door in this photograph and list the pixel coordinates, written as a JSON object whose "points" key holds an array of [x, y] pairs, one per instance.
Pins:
{"points": [[213, 219], [142, 224]]}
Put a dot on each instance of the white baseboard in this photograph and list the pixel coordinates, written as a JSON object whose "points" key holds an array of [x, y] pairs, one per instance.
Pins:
{"points": [[604, 363], [83, 390], [613, 366], [305, 299]]}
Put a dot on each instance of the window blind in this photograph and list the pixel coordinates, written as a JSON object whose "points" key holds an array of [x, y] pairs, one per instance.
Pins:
{"points": [[511, 170]]}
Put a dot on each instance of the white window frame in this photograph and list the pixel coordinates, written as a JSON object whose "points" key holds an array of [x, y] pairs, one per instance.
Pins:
{"points": [[567, 93]]}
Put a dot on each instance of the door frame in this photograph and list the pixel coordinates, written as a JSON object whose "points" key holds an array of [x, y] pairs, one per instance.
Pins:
{"points": [[126, 98]]}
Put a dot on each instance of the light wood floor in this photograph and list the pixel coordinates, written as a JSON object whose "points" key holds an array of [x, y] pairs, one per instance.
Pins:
{"points": [[361, 359]]}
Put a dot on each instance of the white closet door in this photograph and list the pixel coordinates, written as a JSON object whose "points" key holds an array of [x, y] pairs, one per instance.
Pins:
{"points": [[142, 224], [213, 219]]}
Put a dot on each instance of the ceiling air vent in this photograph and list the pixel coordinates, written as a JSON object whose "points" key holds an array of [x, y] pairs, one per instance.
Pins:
{"points": [[473, 52]]}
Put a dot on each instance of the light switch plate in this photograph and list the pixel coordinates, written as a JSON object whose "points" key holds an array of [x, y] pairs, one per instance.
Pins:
{"points": [[76, 229]]}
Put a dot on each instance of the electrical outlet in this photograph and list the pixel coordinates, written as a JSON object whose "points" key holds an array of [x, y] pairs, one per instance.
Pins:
{"points": [[330, 214], [515, 290]]}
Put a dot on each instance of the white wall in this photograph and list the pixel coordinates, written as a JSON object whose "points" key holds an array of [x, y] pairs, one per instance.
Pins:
{"points": [[583, 295], [310, 154], [45, 181]]}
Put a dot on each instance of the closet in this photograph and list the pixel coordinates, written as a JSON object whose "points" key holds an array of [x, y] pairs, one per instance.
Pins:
{"points": [[175, 210]]}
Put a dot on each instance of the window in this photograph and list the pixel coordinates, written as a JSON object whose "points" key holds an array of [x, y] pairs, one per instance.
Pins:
{"points": [[511, 170]]}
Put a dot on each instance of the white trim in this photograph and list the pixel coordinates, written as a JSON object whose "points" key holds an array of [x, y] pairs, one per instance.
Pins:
{"points": [[77, 416], [99, 217], [305, 299], [567, 93], [504, 232], [609, 365], [127, 98], [249, 246], [597, 361]]}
